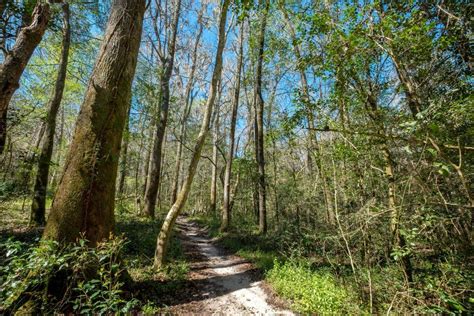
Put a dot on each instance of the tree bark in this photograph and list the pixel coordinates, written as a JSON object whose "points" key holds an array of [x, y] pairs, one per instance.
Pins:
{"points": [[165, 233], [225, 221], [153, 182], [84, 201], [44, 160], [17, 59], [259, 133]]}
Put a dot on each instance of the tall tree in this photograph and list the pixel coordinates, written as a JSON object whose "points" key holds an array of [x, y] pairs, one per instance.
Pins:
{"points": [[165, 233], [259, 133], [225, 221], [84, 200], [187, 108], [154, 171], [304, 84], [17, 59], [215, 140], [124, 156], [46, 151]]}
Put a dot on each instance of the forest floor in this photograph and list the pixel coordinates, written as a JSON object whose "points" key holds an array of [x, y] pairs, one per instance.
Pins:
{"points": [[204, 276], [220, 282]]}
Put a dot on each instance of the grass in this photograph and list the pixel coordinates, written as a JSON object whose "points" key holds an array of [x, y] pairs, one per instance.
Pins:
{"points": [[310, 290]]}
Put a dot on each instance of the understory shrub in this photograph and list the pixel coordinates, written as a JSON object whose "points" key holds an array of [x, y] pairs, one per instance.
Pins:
{"points": [[64, 278]]}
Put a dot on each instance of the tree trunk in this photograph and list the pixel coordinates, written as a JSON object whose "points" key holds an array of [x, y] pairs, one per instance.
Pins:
{"points": [[397, 239], [123, 159], [3, 4], [17, 59], [44, 161], [84, 201], [149, 148], [186, 111], [259, 105], [166, 229], [305, 91], [225, 222], [154, 173], [213, 197], [60, 140]]}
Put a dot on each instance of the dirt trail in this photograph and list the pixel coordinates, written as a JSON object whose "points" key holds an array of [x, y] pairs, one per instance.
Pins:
{"points": [[225, 284]]}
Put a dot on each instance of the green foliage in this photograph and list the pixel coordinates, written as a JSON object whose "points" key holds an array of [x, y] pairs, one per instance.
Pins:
{"points": [[60, 278], [263, 260], [311, 291], [150, 284], [150, 309]]}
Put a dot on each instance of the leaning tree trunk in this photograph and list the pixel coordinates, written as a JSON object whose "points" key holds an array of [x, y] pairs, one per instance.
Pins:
{"points": [[154, 172], [259, 139], [17, 59], [225, 221], [165, 233], [46, 151], [84, 200]]}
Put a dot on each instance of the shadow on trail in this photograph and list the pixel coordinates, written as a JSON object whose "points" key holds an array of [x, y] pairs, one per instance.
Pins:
{"points": [[204, 265], [181, 292]]}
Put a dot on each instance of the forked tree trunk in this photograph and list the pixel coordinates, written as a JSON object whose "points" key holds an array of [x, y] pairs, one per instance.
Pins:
{"points": [[166, 229], [225, 221], [17, 59], [46, 151], [259, 135], [154, 172], [84, 200]]}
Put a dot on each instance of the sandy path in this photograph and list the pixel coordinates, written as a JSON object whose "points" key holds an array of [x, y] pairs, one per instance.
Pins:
{"points": [[228, 284]]}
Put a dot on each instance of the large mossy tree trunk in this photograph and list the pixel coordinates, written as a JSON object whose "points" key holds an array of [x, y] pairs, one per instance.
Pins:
{"points": [[84, 200], [226, 207], [46, 151], [16, 60], [154, 172], [166, 229], [259, 133]]}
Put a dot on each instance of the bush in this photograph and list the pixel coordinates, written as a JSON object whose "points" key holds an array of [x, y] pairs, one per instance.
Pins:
{"points": [[64, 278]]}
